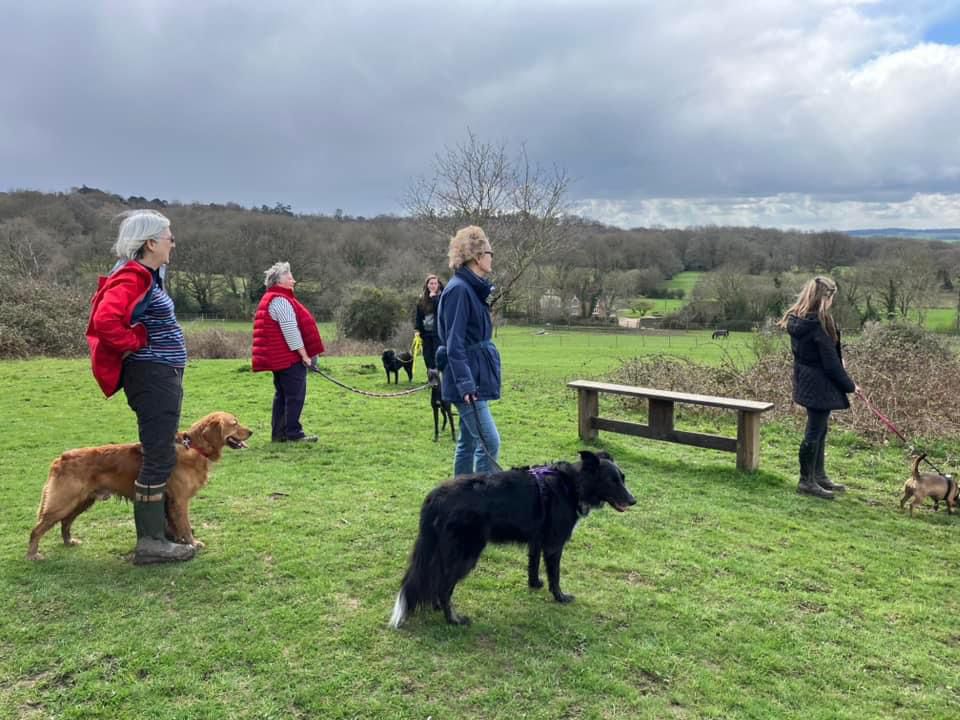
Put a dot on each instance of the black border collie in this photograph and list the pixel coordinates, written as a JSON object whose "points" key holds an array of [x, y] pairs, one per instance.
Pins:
{"points": [[536, 506]]}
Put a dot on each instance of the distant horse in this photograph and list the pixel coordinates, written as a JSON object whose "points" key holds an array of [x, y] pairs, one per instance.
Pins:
{"points": [[719, 334]]}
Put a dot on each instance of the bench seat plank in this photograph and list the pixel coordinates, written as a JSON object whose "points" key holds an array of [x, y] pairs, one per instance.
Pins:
{"points": [[691, 398]]}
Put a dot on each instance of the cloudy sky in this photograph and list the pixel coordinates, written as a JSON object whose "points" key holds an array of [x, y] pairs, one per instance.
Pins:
{"points": [[782, 113]]}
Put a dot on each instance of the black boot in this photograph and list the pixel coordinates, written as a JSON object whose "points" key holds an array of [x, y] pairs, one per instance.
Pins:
{"points": [[808, 485], [152, 545], [820, 475]]}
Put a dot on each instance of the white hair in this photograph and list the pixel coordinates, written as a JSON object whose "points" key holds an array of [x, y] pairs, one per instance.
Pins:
{"points": [[272, 276], [137, 227]]}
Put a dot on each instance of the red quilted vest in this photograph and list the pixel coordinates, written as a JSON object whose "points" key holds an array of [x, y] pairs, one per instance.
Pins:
{"points": [[270, 351]]}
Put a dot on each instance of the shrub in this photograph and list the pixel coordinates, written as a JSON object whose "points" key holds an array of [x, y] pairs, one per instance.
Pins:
{"points": [[41, 318], [904, 370], [371, 313], [218, 344]]}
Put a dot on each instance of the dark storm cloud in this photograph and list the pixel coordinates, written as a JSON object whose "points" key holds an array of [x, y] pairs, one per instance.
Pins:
{"points": [[769, 106]]}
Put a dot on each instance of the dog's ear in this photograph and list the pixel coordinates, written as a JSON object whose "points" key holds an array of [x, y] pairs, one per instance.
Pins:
{"points": [[590, 460], [213, 433], [604, 455]]}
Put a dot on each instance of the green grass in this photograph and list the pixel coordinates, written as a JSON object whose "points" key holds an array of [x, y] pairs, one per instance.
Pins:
{"points": [[718, 595], [685, 281]]}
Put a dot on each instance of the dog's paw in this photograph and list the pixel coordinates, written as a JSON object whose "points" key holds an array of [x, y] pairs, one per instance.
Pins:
{"points": [[535, 583], [71, 542], [198, 544], [563, 599], [36, 556]]}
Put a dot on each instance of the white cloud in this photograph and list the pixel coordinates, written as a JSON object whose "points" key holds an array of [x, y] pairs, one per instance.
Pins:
{"points": [[784, 210]]}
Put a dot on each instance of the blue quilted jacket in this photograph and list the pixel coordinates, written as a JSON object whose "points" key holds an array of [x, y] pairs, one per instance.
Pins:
{"points": [[465, 329]]}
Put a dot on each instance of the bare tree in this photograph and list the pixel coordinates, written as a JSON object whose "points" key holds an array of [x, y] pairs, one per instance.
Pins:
{"points": [[518, 203]]}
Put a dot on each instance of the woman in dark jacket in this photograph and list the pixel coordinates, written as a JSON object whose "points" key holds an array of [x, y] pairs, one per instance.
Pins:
{"points": [[820, 381], [425, 323], [468, 359]]}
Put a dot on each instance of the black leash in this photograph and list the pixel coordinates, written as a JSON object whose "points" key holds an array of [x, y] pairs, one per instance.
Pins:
{"points": [[483, 444], [314, 368]]}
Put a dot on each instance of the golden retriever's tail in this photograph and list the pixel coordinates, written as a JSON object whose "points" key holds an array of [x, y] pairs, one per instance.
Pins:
{"points": [[51, 478]]}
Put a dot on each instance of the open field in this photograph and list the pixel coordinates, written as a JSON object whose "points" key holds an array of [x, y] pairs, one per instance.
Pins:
{"points": [[718, 595]]}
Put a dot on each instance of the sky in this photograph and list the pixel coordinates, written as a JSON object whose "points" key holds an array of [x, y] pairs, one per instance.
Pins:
{"points": [[812, 114]]}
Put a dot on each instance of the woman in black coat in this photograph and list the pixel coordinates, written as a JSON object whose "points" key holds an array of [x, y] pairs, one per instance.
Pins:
{"points": [[820, 381], [425, 323]]}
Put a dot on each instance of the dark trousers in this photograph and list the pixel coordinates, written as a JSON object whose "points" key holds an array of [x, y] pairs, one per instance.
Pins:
{"points": [[816, 431], [430, 343], [155, 393], [290, 392]]}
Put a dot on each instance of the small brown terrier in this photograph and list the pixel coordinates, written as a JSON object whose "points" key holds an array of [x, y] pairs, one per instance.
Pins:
{"points": [[924, 485], [79, 478]]}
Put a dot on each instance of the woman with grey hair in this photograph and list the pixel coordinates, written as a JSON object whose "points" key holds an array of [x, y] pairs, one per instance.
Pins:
{"points": [[136, 343], [469, 360], [285, 341]]}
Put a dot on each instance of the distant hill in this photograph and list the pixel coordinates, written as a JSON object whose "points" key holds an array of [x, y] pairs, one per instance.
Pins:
{"points": [[947, 234]]}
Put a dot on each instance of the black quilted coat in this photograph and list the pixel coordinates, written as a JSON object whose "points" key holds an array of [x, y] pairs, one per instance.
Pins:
{"points": [[819, 380]]}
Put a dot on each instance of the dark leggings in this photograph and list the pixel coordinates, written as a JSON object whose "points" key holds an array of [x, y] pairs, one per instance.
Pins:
{"points": [[816, 432]]}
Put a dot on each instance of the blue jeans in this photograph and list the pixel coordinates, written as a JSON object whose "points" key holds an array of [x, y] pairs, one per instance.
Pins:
{"points": [[470, 456]]}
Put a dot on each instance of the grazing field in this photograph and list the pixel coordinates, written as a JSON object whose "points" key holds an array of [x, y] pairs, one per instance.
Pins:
{"points": [[718, 595]]}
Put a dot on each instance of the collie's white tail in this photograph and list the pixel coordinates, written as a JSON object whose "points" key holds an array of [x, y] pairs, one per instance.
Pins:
{"points": [[399, 611]]}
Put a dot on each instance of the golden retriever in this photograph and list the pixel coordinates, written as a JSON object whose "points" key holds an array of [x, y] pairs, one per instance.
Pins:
{"points": [[78, 478]]}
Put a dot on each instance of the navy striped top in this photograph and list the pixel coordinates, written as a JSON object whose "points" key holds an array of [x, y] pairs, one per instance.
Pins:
{"points": [[165, 343]]}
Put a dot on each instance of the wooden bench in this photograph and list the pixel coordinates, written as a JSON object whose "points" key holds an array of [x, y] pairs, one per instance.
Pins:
{"points": [[660, 416]]}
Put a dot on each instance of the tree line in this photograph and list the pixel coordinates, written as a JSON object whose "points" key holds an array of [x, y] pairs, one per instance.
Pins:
{"points": [[222, 250]]}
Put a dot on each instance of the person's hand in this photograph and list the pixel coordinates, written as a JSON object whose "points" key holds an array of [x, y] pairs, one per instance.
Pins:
{"points": [[470, 398], [305, 359], [857, 390]]}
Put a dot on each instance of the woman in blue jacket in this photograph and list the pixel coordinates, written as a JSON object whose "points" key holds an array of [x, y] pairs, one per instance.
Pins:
{"points": [[820, 381], [468, 358]]}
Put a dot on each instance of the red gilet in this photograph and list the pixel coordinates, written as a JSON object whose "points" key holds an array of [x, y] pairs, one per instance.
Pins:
{"points": [[270, 351], [109, 332]]}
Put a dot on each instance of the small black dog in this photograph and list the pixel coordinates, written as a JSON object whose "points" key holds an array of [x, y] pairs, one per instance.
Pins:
{"points": [[719, 334], [392, 362], [439, 405], [537, 506]]}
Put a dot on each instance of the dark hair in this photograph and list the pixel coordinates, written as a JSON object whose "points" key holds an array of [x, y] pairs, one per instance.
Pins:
{"points": [[425, 303]]}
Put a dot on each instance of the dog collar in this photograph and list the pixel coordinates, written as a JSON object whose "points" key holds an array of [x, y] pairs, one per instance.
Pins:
{"points": [[188, 444]]}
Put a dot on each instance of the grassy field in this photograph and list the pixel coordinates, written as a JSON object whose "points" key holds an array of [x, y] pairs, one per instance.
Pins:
{"points": [[685, 281], [719, 595]]}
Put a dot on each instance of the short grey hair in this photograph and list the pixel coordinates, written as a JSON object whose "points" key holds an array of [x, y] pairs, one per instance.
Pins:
{"points": [[137, 227], [272, 276]]}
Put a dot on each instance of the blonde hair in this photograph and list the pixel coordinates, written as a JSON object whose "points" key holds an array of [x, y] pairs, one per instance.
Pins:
{"points": [[812, 299], [468, 244]]}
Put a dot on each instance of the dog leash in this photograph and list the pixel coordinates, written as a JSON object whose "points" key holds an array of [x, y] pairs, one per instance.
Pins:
{"points": [[893, 428], [332, 379], [483, 444]]}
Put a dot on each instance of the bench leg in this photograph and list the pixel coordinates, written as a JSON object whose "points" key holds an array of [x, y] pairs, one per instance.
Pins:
{"points": [[748, 441], [588, 407]]}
